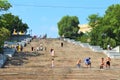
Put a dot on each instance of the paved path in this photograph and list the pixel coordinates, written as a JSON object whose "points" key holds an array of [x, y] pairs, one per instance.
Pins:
{"points": [[37, 66]]}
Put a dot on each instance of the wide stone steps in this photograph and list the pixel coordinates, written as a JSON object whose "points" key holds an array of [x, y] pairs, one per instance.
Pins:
{"points": [[39, 67], [92, 74]]}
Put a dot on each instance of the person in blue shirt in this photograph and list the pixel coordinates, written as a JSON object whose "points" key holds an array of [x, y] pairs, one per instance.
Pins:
{"points": [[88, 62]]}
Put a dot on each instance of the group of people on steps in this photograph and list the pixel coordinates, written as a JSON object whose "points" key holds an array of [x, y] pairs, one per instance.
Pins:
{"points": [[103, 62]]}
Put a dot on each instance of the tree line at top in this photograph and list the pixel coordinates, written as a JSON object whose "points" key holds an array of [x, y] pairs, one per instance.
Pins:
{"points": [[105, 29]]}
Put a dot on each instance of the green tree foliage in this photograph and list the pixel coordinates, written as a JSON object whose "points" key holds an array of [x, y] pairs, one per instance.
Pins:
{"points": [[4, 5], [106, 29], [4, 34], [83, 37], [112, 18], [12, 22], [94, 20], [68, 26]]}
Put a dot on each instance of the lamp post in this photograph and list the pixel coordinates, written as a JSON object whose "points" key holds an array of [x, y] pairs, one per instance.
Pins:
{"points": [[119, 49], [30, 32], [103, 37]]}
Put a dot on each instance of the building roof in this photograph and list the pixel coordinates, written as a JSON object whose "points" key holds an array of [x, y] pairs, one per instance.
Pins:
{"points": [[84, 28]]}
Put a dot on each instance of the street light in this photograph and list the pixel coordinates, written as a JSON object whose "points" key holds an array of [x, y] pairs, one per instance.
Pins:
{"points": [[103, 37], [30, 32]]}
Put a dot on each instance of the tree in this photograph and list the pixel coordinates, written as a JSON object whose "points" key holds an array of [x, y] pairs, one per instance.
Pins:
{"points": [[112, 18], [4, 34], [106, 29], [68, 26], [94, 20], [4, 5], [12, 22]]}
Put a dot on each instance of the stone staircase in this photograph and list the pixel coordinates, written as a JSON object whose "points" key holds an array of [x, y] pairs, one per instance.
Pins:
{"points": [[37, 66], [92, 74], [114, 53]]}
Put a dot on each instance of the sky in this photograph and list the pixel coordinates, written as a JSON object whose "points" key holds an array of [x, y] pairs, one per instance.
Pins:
{"points": [[42, 16]]}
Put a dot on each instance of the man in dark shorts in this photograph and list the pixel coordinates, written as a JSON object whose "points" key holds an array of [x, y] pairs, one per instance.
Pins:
{"points": [[61, 44], [108, 59]]}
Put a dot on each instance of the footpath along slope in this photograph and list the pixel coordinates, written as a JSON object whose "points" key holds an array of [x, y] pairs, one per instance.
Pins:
{"points": [[37, 66]]}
